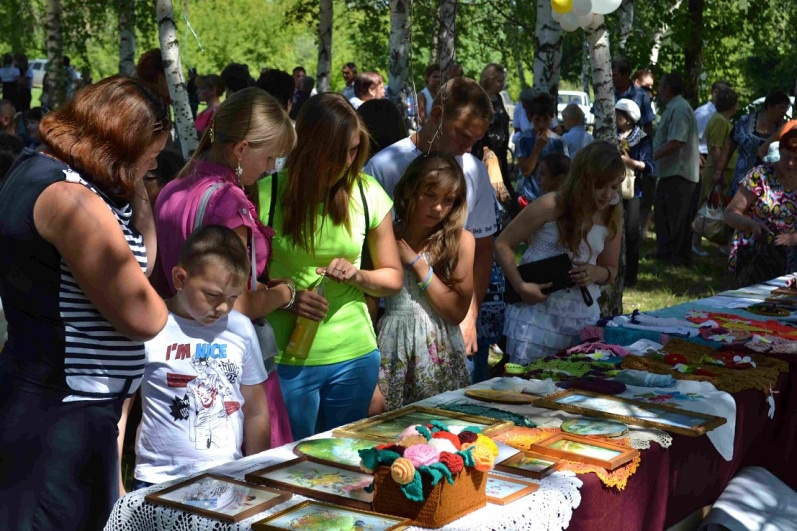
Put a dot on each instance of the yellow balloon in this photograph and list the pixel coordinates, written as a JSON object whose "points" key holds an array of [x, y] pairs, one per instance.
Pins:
{"points": [[562, 6]]}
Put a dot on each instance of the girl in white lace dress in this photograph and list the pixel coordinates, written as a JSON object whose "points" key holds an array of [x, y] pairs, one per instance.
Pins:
{"points": [[423, 353], [581, 219]]}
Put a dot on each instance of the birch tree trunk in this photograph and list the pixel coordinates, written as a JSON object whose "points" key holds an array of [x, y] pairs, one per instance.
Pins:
{"points": [[324, 46], [611, 300], [447, 36], [586, 67], [548, 37], [659, 34], [56, 76], [693, 53], [398, 61], [127, 36], [170, 52], [626, 22]]}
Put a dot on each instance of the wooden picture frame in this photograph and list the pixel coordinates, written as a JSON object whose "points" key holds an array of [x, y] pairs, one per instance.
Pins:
{"points": [[333, 484], [201, 495], [324, 451], [524, 489], [318, 510], [662, 416], [387, 426], [597, 452], [530, 465]]}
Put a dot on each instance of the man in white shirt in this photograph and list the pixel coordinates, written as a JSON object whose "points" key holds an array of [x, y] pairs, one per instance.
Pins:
{"points": [[460, 115], [704, 113]]}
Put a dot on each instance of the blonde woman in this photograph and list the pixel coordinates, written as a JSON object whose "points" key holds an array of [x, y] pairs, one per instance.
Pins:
{"points": [[583, 220], [324, 211], [248, 133]]}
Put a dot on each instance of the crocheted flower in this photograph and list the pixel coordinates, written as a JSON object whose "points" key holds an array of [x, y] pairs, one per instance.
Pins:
{"points": [[483, 458], [394, 448], [453, 461], [467, 437], [421, 454], [411, 430], [442, 445], [412, 440], [448, 436], [489, 443], [402, 471], [365, 468]]}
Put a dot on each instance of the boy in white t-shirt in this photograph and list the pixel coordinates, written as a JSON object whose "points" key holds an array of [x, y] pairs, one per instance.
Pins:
{"points": [[202, 393]]}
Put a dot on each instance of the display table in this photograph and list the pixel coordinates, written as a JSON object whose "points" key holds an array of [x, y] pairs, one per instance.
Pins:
{"points": [[677, 474]]}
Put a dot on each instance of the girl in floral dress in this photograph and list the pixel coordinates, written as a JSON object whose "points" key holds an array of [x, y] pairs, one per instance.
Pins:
{"points": [[423, 353]]}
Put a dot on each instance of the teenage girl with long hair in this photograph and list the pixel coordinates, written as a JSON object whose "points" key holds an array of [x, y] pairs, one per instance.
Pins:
{"points": [[325, 210], [583, 220], [423, 352]]}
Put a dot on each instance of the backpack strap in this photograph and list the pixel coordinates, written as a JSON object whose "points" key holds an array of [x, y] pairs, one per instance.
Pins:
{"points": [[203, 204], [365, 205]]}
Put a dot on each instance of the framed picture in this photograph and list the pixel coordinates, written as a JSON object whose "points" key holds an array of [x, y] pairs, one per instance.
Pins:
{"points": [[388, 426], [502, 490], [316, 516], [218, 497], [340, 452], [530, 465], [317, 480], [661, 416], [583, 450]]}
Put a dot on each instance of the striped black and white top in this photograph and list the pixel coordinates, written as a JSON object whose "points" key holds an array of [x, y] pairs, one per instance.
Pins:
{"points": [[57, 337]]}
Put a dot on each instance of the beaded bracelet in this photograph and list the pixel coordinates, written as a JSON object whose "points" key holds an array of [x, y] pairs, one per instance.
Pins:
{"points": [[423, 284], [292, 289], [409, 266]]}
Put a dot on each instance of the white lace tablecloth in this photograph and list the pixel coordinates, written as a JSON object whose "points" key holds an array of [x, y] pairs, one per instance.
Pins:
{"points": [[549, 508]]}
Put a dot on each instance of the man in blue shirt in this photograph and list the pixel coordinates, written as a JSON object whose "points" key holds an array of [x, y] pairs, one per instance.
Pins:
{"points": [[625, 88]]}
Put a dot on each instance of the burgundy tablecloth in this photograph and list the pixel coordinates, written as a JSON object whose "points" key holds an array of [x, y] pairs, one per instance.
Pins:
{"points": [[672, 483]]}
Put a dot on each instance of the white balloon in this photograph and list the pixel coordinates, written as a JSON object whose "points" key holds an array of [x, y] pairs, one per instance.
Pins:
{"points": [[569, 22], [585, 20], [604, 7], [581, 8], [556, 16]]}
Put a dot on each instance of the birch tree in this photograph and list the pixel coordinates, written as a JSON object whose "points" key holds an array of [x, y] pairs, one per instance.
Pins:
{"points": [[661, 31], [398, 61], [447, 36], [626, 22], [324, 46], [600, 56], [170, 52], [548, 38], [127, 36], [611, 300], [56, 76]]}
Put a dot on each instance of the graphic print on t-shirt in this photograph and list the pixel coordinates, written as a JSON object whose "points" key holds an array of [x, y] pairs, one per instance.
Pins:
{"points": [[209, 399]]}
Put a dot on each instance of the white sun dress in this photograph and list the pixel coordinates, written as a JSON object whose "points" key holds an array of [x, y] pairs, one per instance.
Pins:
{"points": [[537, 330]]}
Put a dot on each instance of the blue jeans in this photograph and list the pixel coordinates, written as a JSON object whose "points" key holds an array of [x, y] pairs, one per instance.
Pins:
{"points": [[477, 364], [323, 397]]}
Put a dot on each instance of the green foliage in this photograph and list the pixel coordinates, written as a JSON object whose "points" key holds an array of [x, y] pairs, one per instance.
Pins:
{"points": [[745, 41]]}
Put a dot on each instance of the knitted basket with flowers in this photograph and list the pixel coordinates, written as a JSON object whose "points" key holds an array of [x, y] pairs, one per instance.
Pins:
{"points": [[431, 475]]}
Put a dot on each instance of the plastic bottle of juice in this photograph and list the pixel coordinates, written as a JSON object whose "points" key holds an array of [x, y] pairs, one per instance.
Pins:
{"points": [[305, 330]]}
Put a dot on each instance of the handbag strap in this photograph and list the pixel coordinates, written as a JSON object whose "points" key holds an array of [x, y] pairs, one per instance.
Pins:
{"points": [[365, 205], [203, 204], [199, 220], [273, 201], [587, 296]]}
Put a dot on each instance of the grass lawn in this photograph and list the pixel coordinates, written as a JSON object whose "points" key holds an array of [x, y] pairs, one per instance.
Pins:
{"points": [[660, 285]]}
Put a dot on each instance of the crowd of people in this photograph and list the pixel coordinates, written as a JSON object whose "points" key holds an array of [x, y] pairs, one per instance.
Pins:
{"points": [[195, 285]]}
